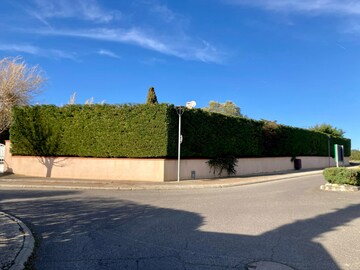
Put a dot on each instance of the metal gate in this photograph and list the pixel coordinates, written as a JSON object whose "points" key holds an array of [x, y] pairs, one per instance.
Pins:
{"points": [[2, 158]]}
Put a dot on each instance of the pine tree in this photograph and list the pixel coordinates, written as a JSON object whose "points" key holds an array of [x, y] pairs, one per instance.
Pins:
{"points": [[151, 97]]}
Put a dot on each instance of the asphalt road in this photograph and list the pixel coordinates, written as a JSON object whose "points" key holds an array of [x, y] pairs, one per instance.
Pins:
{"points": [[289, 221]]}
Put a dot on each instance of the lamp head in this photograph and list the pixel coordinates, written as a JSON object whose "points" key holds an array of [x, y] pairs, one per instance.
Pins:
{"points": [[190, 104]]}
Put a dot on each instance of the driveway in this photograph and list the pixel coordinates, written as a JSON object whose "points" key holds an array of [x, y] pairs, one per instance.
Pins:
{"points": [[291, 222]]}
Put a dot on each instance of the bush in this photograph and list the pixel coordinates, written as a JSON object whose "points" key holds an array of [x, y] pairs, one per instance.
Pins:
{"points": [[218, 165], [355, 155], [342, 176]]}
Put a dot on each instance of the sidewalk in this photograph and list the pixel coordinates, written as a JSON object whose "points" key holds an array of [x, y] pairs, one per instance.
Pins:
{"points": [[17, 242], [18, 181]]}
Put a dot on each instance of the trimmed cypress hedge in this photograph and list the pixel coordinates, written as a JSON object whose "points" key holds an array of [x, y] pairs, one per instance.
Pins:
{"points": [[211, 135], [90, 130], [152, 131]]}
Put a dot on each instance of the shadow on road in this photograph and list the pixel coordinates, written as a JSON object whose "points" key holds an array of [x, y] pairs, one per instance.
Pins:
{"points": [[98, 233]]}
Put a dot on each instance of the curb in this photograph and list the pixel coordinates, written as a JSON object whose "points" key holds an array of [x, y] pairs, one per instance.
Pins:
{"points": [[336, 187], [172, 186], [27, 245]]}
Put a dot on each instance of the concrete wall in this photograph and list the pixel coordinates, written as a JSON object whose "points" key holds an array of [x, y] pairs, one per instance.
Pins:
{"points": [[86, 168], [158, 170], [245, 166], [8, 157]]}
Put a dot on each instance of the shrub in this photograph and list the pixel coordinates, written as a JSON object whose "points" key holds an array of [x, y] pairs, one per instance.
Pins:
{"points": [[223, 163], [342, 176], [355, 155]]}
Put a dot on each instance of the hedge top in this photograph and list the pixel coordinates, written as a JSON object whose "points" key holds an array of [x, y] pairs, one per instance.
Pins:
{"points": [[148, 131]]}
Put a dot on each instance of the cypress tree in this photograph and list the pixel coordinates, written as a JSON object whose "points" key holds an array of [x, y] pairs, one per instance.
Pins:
{"points": [[151, 97]]}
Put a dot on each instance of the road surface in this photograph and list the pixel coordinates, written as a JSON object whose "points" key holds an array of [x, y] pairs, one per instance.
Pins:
{"points": [[291, 222]]}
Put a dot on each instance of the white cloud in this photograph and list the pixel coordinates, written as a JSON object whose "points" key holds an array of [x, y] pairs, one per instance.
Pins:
{"points": [[108, 53], [86, 10], [20, 48], [203, 52], [337, 7], [30, 49], [150, 25], [348, 11]]}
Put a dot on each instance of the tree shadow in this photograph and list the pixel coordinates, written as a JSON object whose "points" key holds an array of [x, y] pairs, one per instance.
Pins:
{"points": [[7, 195], [51, 162], [101, 233]]}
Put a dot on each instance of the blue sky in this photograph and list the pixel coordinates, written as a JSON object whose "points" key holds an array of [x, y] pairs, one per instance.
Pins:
{"points": [[297, 62]]}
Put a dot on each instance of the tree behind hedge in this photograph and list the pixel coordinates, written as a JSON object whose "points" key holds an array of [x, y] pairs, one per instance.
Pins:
{"points": [[328, 129], [228, 108], [151, 97]]}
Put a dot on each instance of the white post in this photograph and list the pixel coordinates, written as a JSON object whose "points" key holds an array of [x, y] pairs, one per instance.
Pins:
{"points": [[179, 143], [180, 111], [329, 150]]}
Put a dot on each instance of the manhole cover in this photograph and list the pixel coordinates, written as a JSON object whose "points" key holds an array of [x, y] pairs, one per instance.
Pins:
{"points": [[264, 265]]}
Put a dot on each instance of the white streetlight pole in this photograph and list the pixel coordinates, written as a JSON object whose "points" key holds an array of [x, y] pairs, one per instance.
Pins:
{"points": [[329, 149], [180, 110]]}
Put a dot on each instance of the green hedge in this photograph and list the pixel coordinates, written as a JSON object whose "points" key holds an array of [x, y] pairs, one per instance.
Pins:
{"points": [[342, 176], [90, 130], [212, 135], [152, 131]]}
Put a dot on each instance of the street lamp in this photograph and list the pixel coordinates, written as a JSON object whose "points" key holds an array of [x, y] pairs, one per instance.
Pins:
{"points": [[180, 110], [329, 148]]}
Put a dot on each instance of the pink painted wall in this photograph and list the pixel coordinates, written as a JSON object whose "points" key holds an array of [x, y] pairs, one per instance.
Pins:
{"points": [[245, 166], [157, 170], [90, 168], [8, 157]]}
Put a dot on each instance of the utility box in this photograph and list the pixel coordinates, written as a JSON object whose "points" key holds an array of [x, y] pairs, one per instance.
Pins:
{"points": [[339, 154]]}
